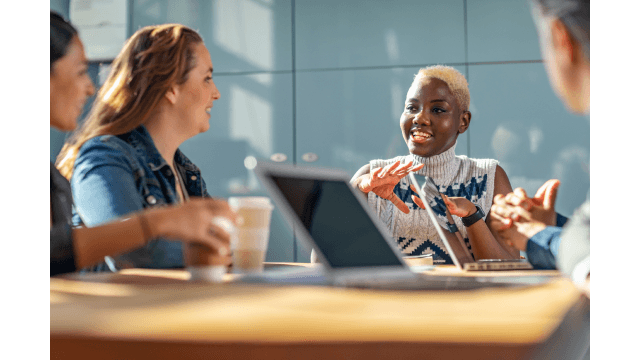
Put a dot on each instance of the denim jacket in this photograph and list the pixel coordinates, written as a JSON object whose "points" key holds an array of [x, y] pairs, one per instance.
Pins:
{"points": [[117, 175]]}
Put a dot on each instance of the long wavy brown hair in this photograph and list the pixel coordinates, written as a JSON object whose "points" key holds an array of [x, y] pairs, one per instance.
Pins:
{"points": [[151, 61]]}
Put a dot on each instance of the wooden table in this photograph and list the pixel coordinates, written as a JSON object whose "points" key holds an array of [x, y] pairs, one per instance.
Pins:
{"points": [[160, 314]]}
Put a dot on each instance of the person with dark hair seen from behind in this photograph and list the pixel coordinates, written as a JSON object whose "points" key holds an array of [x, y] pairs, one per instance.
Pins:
{"points": [[76, 248], [529, 223], [125, 156]]}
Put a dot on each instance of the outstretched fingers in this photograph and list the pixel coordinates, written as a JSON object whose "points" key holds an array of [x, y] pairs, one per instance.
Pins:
{"points": [[453, 207], [403, 167], [543, 189], [388, 169], [399, 203], [376, 172], [416, 199], [366, 182], [409, 168], [549, 199], [418, 202]]}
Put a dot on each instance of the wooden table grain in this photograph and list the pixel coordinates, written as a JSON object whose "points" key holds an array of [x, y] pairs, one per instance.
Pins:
{"points": [[160, 314]]}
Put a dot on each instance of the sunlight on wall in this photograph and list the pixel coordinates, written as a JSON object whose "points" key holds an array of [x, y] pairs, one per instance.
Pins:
{"points": [[535, 138], [391, 42], [572, 154], [153, 10], [251, 119], [234, 30], [183, 11], [398, 96]]}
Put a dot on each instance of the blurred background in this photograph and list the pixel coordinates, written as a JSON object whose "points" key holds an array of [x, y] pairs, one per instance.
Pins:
{"points": [[323, 83]]}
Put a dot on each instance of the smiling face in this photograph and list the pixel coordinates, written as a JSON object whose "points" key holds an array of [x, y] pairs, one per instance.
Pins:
{"points": [[196, 96], [70, 86], [431, 120]]}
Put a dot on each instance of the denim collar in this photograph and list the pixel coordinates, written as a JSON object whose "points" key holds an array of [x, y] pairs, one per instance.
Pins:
{"points": [[142, 142]]}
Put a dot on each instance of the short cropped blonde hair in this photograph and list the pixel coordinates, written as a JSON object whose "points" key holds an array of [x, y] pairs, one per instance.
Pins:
{"points": [[453, 78]]}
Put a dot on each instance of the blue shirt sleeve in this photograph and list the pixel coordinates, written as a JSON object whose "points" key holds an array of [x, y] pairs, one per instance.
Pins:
{"points": [[103, 183], [542, 248], [561, 220]]}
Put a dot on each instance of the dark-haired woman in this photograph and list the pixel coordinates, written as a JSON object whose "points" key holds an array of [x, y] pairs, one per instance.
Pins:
{"points": [[79, 247]]}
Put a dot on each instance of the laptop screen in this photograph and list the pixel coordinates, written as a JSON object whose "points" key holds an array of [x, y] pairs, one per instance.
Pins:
{"points": [[340, 227]]}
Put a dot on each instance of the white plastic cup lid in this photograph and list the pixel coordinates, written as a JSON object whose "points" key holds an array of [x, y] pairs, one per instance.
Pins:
{"points": [[250, 202]]}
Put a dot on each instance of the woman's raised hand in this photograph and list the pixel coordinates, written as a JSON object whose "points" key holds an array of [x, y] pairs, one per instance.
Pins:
{"points": [[382, 181], [458, 206]]}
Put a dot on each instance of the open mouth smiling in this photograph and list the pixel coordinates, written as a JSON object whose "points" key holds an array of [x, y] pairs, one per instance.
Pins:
{"points": [[419, 136]]}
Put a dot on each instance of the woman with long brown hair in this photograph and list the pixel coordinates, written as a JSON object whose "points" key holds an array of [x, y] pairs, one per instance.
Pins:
{"points": [[75, 248], [125, 157]]}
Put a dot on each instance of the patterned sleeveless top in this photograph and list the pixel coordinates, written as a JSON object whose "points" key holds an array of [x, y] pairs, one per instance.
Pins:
{"points": [[455, 176]]}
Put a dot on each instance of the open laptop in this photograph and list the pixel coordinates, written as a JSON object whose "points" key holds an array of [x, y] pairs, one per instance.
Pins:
{"points": [[456, 248], [350, 241]]}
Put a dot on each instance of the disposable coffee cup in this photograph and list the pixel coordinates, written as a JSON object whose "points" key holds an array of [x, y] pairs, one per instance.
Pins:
{"points": [[210, 274], [250, 241], [202, 262]]}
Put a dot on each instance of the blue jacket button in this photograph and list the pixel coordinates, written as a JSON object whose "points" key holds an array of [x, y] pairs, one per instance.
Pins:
{"points": [[151, 200]]}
